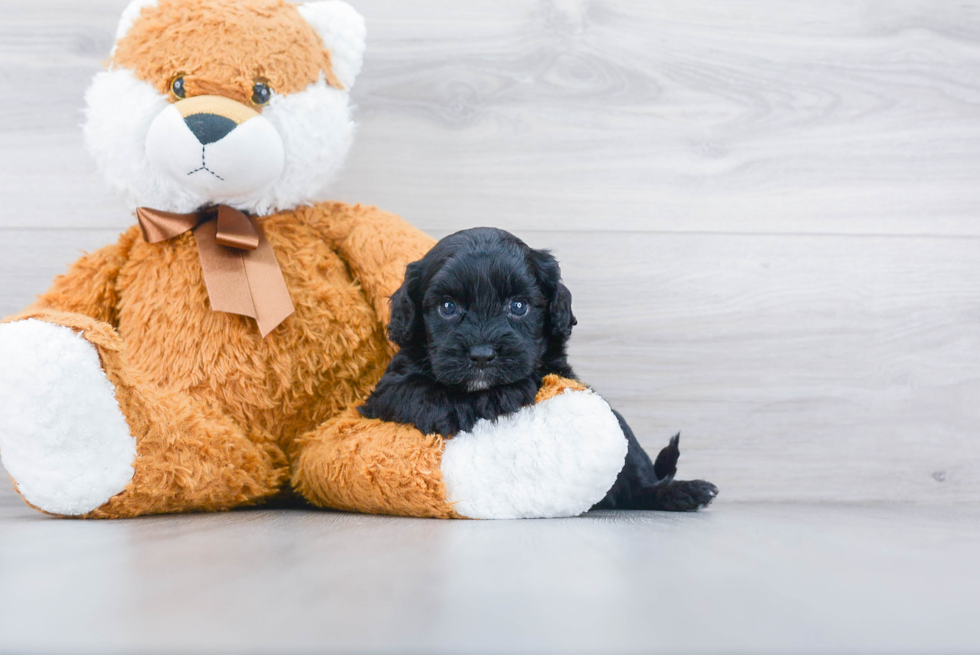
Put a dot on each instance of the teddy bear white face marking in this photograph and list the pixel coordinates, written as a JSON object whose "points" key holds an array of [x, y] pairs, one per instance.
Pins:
{"points": [[215, 146]]}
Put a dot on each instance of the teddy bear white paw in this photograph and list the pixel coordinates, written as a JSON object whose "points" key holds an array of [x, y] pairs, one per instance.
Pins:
{"points": [[556, 458], [63, 438]]}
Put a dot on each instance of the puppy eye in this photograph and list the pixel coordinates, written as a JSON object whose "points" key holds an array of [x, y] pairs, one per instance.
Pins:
{"points": [[177, 89], [518, 307], [448, 309], [261, 93]]}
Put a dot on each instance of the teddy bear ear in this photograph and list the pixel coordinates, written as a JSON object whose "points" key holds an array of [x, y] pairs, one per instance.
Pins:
{"points": [[129, 16], [342, 30]]}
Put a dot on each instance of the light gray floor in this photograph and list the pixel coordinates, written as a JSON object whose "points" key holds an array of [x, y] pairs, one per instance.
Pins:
{"points": [[739, 578]]}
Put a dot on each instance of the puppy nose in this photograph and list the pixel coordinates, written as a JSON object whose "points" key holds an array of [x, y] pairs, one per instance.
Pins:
{"points": [[209, 128], [482, 355]]}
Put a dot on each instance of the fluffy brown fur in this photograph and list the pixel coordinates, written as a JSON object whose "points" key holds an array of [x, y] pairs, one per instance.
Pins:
{"points": [[193, 38], [215, 408]]}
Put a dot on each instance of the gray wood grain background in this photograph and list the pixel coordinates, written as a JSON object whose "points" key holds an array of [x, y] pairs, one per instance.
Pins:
{"points": [[768, 212]]}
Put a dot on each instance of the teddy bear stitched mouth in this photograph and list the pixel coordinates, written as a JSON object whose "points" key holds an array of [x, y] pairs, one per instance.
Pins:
{"points": [[204, 165]]}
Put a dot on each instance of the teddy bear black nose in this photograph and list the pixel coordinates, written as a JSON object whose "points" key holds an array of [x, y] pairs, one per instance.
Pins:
{"points": [[209, 128], [482, 355]]}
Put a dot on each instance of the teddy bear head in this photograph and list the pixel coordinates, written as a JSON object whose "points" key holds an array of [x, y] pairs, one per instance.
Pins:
{"points": [[237, 102]]}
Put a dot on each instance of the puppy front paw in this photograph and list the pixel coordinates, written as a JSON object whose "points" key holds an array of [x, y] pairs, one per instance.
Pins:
{"points": [[556, 458]]}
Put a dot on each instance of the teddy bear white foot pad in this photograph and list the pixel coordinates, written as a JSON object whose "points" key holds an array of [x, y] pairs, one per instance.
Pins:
{"points": [[63, 438], [553, 459]]}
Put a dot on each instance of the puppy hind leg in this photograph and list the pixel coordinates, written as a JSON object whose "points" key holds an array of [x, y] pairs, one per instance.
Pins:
{"points": [[638, 472], [647, 485], [676, 496]]}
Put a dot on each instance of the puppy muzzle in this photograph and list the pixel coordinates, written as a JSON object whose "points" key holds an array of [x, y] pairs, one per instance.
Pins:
{"points": [[216, 147]]}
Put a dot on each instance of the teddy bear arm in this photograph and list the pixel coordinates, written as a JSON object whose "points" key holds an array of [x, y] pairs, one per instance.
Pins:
{"points": [[366, 465], [378, 246], [558, 457], [555, 385]]}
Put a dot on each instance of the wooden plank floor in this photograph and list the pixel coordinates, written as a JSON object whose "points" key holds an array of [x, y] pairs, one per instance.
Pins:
{"points": [[739, 578]]}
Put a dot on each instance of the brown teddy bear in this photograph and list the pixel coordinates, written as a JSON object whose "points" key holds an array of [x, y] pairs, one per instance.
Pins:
{"points": [[214, 355]]}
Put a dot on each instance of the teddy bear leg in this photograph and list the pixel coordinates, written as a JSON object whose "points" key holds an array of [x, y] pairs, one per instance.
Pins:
{"points": [[80, 436], [192, 458], [63, 438]]}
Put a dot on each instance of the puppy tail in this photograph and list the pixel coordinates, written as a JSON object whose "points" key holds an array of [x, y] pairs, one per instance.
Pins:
{"points": [[666, 465]]}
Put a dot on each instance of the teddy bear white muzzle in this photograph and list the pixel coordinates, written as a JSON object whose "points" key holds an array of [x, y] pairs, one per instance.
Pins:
{"points": [[216, 147]]}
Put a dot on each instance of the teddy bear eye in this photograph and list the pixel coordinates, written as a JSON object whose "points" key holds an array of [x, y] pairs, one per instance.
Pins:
{"points": [[448, 308], [177, 88], [261, 93]]}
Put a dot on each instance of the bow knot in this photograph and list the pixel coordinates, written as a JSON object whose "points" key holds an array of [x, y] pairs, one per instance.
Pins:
{"points": [[240, 269]]}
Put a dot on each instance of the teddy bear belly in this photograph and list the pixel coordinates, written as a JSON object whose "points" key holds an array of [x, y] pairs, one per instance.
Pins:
{"points": [[323, 358]]}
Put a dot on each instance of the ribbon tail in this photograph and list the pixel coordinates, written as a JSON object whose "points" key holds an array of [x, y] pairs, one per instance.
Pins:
{"points": [[272, 302], [224, 273]]}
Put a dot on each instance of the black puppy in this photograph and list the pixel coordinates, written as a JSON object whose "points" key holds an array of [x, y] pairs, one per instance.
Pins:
{"points": [[481, 319]]}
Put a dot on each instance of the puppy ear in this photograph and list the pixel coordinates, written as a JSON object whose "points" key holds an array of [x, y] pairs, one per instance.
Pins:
{"points": [[548, 273], [546, 270], [405, 324], [562, 319]]}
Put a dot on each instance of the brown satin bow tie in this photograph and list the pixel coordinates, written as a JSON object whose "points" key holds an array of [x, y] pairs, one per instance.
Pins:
{"points": [[240, 268]]}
